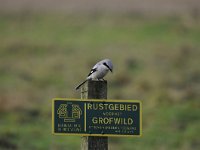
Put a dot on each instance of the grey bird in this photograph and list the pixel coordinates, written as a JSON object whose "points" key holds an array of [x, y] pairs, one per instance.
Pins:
{"points": [[98, 71]]}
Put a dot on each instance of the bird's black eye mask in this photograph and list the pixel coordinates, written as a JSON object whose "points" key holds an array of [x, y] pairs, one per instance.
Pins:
{"points": [[107, 66]]}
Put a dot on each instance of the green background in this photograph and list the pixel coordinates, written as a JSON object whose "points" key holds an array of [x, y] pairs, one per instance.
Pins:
{"points": [[44, 55]]}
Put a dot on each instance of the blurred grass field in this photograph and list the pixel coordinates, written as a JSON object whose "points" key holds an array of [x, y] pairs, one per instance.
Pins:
{"points": [[156, 60]]}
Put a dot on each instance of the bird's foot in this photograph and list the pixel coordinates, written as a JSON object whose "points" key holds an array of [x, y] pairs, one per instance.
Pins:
{"points": [[101, 79]]}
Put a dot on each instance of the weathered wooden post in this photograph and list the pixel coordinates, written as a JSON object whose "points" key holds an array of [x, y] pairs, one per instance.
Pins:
{"points": [[94, 90]]}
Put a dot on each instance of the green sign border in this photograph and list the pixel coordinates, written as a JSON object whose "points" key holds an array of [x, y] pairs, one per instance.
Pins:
{"points": [[97, 100]]}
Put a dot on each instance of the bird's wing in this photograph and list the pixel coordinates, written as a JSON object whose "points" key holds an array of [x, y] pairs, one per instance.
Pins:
{"points": [[92, 71]]}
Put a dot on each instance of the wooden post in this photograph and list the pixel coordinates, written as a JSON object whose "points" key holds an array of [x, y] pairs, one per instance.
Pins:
{"points": [[94, 90]]}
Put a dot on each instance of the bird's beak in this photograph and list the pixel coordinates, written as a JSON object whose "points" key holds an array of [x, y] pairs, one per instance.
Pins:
{"points": [[111, 70]]}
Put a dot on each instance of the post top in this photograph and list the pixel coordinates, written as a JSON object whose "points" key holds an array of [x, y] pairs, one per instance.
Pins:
{"points": [[94, 89]]}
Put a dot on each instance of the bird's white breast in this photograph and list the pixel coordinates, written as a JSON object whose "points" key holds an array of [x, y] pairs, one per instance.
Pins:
{"points": [[100, 73]]}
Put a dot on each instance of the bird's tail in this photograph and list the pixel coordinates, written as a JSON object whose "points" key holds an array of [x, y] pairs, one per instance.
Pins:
{"points": [[81, 84]]}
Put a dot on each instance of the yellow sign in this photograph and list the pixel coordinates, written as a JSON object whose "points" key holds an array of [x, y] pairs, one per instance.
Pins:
{"points": [[92, 117]]}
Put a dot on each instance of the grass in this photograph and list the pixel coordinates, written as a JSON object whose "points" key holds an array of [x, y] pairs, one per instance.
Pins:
{"points": [[155, 59]]}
